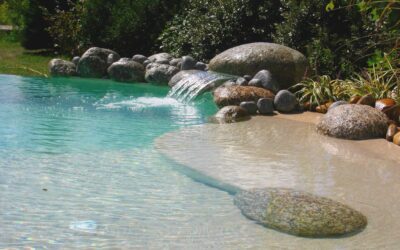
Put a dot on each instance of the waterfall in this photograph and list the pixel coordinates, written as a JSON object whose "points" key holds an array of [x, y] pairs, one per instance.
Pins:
{"points": [[197, 83]]}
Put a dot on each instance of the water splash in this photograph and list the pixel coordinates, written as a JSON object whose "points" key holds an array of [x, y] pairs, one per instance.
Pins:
{"points": [[192, 86]]}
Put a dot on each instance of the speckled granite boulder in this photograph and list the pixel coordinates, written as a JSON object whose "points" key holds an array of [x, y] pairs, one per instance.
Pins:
{"points": [[230, 114], [299, 213], [354, 122], [180, 75], [59, 67], [126, 71], [160, 73], [93, 62], [234, 95], [286, 65]]}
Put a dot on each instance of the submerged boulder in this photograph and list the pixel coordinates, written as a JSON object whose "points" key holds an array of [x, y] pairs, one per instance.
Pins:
{"points": [[94, 62], [160, 73], [126, 71], [230, 114], [234, 95], [354, 122], [59, 67], [299, 213], [286, 65]]}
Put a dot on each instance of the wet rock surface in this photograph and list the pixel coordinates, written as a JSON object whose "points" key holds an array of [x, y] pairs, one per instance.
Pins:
{"points": [[230, 114], [285, 101], [250, 107], [126, 71], [265, 106], [287, 65], [59, 67], [354, 122], [181, 75], [299, 213], [267, 81], [234, 95]]}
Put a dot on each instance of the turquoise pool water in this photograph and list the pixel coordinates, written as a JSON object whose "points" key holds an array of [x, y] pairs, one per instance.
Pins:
{"points": [[78, 169]]}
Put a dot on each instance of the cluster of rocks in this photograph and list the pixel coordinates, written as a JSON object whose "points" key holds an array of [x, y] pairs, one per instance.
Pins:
{"points": [[103, 63], [299, 213], [362, 118]]}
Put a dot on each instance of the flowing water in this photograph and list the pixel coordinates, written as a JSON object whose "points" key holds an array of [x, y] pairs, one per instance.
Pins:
{"points": [[196, 84], [78, 169]]}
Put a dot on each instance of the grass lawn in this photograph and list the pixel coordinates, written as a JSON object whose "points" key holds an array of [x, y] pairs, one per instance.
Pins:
{"points": [[16, 60]]}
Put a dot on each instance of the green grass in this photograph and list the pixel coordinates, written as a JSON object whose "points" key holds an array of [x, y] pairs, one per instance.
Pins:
{"points": [[15, 60]]}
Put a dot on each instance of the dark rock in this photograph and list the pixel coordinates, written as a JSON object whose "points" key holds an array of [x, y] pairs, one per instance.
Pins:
{"points": [[188, 63], [336, 104], [175, 61], [265, 106], [241, 81], [255, 83], [299, 213], [391, 132], [287, 65], [139, 58], [250, 107], [59, 67], [285, 101], [367, 100], [248, 77], [354, 122], [161, 58], [234, 95], [181, 75], [126, 71], [160, 73], [93, 62], [75, 60], [201, 66], [229, 114], [267, 81]]}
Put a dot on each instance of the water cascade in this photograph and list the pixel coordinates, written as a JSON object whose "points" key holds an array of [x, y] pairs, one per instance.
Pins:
{"points": [[192, 86]]}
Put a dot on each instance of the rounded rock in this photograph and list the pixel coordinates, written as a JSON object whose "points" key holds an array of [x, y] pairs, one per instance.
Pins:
{"points": [[229, 114], [112, 58], [241, 81], [248, 77], [250, 107], [299, 213], [234, 95], [391, 132], [396, 139], [255, 83], [188, 63], [92, 67], [59, 67], [355, 122], [75, 60], [126, 71], [265, 106], [175, 61], [336, 104], [285, 101], [201, 66], [139, 58], [367, 100], [160, 73], [267, 81], [161, 58]]}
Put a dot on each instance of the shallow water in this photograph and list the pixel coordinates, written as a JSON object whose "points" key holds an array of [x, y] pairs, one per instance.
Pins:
{"points": [[78, 169], [273, 152]]}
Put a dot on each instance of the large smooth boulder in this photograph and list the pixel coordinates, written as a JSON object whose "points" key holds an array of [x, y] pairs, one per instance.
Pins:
{"points": [[234, 95], [286, 65], [230, 114], [94, 62], [59, 67], [181, 75], [160, 73], [353, 121], [126, 71], [299, 213]]}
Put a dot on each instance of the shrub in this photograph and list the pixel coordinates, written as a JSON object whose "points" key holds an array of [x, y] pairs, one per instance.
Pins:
{"points": [[207, 27]]}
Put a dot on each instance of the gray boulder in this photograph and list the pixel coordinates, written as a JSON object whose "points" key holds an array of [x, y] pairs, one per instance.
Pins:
{"points": [[287, 65], [285, 101], [255, 83], [201, 66], [175, 62], [241, 81], [265, 106], [181, 75], [250, 107], [112, 58], [336, 104], [59, 67], [355, 122], [267, 81], [75, 60], [93, 62], [161, 58], [188, 63], [139, 58], [160, 73], [230, 114], [299, 213], [126, 71]]}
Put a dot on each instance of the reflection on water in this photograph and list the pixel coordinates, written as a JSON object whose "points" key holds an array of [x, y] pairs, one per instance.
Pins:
{"points": [[272, 152]]}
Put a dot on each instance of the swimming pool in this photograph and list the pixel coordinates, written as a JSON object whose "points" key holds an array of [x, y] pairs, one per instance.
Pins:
{"points": [[78, 169]]}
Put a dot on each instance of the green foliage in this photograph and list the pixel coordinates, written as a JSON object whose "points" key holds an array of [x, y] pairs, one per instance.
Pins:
{"points": [[207, 27], [320, 90], [4, 19]]}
